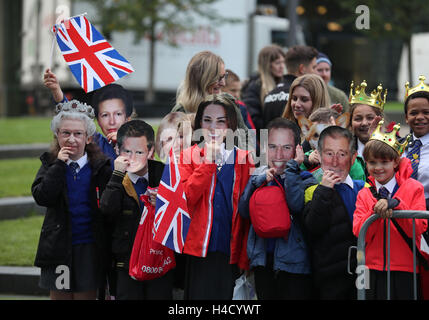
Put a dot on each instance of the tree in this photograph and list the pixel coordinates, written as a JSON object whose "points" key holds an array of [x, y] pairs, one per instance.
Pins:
{"points": [[392, 18], [157, 20]]}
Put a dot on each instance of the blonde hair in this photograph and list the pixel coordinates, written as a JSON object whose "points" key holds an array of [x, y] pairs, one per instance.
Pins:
{"points": [[266, 56], [315, 85], [176, 121], [203, 70]]}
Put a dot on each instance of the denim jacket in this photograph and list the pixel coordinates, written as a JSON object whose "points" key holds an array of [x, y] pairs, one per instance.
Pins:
{"points": [[290, 254]]}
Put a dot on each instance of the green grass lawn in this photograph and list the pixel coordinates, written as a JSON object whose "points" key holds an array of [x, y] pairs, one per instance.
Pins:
{"points": [[18, 241], [395, 106], [17, 175], [25, 130]]}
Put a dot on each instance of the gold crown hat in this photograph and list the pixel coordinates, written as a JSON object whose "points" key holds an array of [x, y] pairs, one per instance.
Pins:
{"points": [[375, 99], [391, 138], [420, 87], [75, 106]]}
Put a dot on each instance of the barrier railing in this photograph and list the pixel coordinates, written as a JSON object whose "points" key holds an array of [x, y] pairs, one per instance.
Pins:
{"points": [[360, 255]]}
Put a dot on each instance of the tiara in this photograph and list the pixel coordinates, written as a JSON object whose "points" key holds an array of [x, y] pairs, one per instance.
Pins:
{"points": [[374, 100], [75, 106], [390, 138], [420, 87]]}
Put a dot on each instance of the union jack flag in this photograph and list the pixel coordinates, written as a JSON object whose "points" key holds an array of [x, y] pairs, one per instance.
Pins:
{"points": [[172, 219], [92, 60]]}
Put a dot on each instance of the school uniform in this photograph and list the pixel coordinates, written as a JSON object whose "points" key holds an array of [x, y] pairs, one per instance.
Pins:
{"points": [[73, 231], [328, 217], [217, 235], [121, 204], [281, 265], [410, 194], [423, 167]]}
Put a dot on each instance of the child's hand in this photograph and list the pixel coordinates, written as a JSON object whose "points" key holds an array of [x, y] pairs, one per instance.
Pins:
{"points": [[111, 137], [299, 154], [64, 154], [51, 82], [152, 195], [121, 164], [337, 107], [270, 174], [374, 125], [382, 208], [212, 149], [329, 179], [314, 157]]}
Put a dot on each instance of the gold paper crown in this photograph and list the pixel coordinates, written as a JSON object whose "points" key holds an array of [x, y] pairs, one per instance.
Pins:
{"points": [[75, 106], [374, 99], [390, 138], [420, 87]]}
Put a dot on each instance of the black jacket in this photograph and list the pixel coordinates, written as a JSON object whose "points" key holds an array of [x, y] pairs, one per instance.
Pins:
{"points": [[329, 228], [49, 190], [275, 101], [251, 96], [121, 207]]}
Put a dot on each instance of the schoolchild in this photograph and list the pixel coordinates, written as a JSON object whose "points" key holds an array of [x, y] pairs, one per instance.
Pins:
{"points": [[416, 109], [214, 173], [328, 215], [281, 265], [391, 188], [365, 113], [121, 204], [69, 183]]}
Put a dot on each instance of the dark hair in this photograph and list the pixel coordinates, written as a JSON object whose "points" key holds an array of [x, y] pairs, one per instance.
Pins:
{"points": [[113, 91], [283, 123], [299, 55], [135, 129], [337, 132], [377, 149], [228, 104], [419, 94]]}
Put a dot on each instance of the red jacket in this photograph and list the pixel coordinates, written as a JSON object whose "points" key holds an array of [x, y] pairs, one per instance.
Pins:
{"points": [[411, 196], [199, 182]]}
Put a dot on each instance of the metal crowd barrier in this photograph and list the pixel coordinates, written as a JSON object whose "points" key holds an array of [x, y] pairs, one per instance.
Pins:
{"points": [[360, 255]]}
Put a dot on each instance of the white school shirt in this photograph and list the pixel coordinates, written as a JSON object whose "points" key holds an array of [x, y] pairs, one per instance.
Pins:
{"points": [[81, 162]]}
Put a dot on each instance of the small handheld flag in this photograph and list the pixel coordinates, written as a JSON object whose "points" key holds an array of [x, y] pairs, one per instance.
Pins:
{"points": [[92, 60], [172, 218]]}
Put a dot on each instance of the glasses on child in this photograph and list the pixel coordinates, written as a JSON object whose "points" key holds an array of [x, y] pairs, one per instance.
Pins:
{"points": [[67, 134]]}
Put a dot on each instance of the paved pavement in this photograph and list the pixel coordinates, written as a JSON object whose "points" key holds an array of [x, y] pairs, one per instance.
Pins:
{"points": [[20, 281]]}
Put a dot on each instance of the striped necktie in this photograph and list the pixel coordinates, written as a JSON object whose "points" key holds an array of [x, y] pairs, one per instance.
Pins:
{"points": [[414, 156], [383, 193], [74, 166]]}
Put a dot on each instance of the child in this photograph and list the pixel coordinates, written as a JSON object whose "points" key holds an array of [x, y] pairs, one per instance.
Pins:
{"points": [[113, 106], [175, 130], [133, 173], [417, 116], [328, 215], [312, 128], [214, 174], [233, 87], [365, 113], [281, 265], [69, 182], [391, 189]]}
